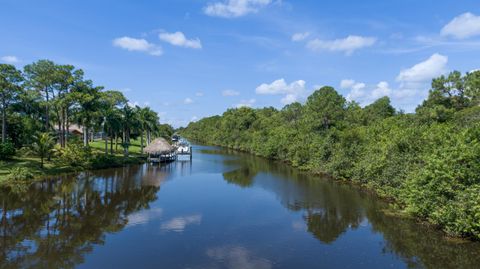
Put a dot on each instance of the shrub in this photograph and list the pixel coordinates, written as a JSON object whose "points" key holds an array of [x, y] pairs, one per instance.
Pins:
{"points": [[105, 161], [75, 155], [19, 173], [17, 180], [7, 150]]}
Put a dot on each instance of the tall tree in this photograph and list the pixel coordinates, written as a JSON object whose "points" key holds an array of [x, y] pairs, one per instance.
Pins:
{"points": [[10, 79], [66, 78], [324, 108], [149, 121], [379, 109], [130, 122], [110, 115], [41, 76], [472, 87], [88, 106]]}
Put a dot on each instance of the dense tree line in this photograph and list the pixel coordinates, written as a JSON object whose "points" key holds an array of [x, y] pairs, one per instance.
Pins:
{"points": [[428, 162], [39, 104]]}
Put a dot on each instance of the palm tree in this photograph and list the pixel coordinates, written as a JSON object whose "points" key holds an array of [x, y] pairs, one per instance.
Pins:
{"points": [[88, 105], [148, 123], [111, 116], [43, 146], [130, 122]]}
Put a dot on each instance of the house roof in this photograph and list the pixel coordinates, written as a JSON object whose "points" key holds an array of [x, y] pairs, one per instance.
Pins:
{"points": [[72, 128]]}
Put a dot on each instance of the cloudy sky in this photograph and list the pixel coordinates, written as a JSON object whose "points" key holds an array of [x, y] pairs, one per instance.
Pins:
{"points": [[191, 59]]}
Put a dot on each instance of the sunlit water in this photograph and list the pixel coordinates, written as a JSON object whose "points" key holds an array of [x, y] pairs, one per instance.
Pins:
{"points": [[221, 210]]}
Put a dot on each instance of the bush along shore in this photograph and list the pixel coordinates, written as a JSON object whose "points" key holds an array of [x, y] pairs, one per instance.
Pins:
{"points": [[50, 114], [19, 171], [427, 162]]}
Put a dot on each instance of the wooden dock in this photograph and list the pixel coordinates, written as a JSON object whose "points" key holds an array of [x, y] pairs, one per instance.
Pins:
{"points": [[160, 151]]}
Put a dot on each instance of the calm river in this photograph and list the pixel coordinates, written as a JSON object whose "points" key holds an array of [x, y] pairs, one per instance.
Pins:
{"points": [[221, 210]]}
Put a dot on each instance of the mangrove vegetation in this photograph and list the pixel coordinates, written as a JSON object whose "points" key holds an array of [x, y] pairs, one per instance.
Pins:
{"points": [[426, 162]]}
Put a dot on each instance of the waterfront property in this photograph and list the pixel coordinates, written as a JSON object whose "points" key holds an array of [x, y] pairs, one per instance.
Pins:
{"points": [[159, 151]]}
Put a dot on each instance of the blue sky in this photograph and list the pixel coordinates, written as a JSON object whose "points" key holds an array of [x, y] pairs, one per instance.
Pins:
{"points": [[191, 59]]}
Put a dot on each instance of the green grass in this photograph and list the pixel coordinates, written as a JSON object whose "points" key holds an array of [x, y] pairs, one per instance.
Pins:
{"points": [[134, 149], [53, 167], [33, 165]]}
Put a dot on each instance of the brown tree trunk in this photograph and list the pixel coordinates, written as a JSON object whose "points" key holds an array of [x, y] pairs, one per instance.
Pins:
{"points": [[106, 141], [4, 121], [111, 142], [47, 116], [85, 136], [141, 142]]}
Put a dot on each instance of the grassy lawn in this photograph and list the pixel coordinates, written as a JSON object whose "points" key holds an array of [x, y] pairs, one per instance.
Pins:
{"points": [[53, 167], [134, 149]]}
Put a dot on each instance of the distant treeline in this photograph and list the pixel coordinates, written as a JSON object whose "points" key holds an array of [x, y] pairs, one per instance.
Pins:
{"points": [[428, 162]]}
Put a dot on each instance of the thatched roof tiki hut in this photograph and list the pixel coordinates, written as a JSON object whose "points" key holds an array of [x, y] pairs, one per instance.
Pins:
{"points": [[160, 151]]}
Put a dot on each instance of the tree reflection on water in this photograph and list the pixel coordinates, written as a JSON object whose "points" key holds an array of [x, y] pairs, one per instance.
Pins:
{"points": [[57, 222], [331, 209]]}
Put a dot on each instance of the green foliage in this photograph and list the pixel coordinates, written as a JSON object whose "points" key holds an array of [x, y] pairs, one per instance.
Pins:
{"points": [[18, 180], [75, 155], [428, 162], [43, 146], [19, 173], [7, 150]]}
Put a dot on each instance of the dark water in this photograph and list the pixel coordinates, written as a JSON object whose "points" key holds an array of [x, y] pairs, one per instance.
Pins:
{"points": [[222, 210]]}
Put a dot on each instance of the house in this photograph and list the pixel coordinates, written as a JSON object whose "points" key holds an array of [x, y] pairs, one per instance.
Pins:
{"points": [[73, 129]]}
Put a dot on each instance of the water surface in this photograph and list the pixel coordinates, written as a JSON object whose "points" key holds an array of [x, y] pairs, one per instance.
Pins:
{"points": [[221, 210]]}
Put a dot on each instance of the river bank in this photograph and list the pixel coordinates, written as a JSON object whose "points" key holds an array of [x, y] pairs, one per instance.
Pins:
{"points": [[222, 208], [429, 170], [27, 169], [395, 207]]}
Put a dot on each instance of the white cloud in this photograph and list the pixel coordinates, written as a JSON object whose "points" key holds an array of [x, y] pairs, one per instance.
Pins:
{"points": [[134, 44], [415, 81], [143, 217], [356, 89], [236, 257], [347, 83], [463, 26], [194, 118], [382, 89], [246, 103], [300, 36], [187, 101], [199, 94], [412, 88], [179, 39], [234, 8], [10, 59], [424, 71], [347, 45], [133, 104], [279, 86], [180, 223], [293, 91], [230, 93]]}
